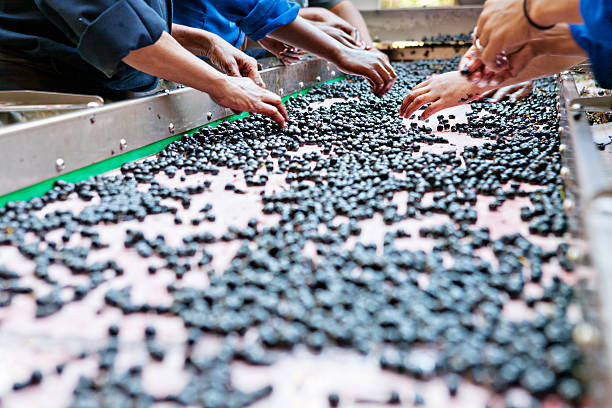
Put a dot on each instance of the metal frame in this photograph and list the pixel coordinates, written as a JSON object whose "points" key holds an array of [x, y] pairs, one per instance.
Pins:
{"points": [[415, 23], [36, 151], [593, 177]]}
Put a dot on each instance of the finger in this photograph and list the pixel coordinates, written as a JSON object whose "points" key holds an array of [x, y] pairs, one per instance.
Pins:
{"points": [[418, 103], [424, 84], [486, 78], [249, 69], [294, 54], [519, 60], [470, 62], [500, 94], [487, 94], [489, 54], [256, 77], [275, 100], [283, 111], [434, 108], [475, 76], [521, 94], [388, 76], [231, 68], [411, 97], [272, 112], [348, 41], [347, 28], [499, 78], [289, 60], [376, 80]]}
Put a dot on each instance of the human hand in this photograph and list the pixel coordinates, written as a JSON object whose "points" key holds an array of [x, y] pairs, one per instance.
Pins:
{"points": [[334, 26], [341, 31], [233, 62], [472, 67], [502, 27], [287, 54], [243, 95], [371, 65], [514, 93], [442, 91]]}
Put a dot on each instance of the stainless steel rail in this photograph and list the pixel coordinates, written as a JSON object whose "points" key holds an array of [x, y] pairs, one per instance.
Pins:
{"points": [[36, 151], [595, 203], [413, 24]]}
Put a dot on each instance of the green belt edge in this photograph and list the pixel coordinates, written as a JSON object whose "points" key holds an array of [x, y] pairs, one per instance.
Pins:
{"points": [[115, 162]]}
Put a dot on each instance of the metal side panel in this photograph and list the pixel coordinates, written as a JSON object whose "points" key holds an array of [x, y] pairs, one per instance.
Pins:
{"points": [[595, 202], [416, 23], [36, 151]]}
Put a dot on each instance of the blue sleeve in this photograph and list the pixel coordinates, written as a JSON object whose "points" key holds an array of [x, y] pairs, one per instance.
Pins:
{"points": [[599, 54], [258, 18], [105, 31], [597, 16]]}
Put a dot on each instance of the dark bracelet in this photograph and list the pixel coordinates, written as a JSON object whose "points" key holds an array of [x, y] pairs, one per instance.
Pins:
{"points": [[531, 22]]}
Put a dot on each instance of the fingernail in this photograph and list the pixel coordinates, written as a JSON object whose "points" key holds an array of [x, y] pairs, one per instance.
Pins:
{"points": [[482, 84], [494, 82]]}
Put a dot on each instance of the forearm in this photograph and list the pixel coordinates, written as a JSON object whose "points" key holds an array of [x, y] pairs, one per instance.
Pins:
{"points": [[305, 36], [557, 41], [167, 59], [547, 12], [539, 67], [198, 42], [347, 11], [312, 13]]}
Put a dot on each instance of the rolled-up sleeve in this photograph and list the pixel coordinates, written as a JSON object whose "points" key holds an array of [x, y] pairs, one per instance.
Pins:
{"points": [[105, 31], [599, 54], [258, 18], [597, 16]]}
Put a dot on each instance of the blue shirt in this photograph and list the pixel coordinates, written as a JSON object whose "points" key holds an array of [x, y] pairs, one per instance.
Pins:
{"points": [[597, 17], [600, 54], [233, 20], [89, 37]]}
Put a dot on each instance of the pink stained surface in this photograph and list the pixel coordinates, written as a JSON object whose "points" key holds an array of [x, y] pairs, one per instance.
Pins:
{"points": [[300, 379]]}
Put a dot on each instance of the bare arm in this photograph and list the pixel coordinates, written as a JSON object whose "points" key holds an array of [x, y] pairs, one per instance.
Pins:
{"points": [[347, 11], [555, 42], [169, 60], [371, 66], [225, 57], [503, 27], [546, 12]]}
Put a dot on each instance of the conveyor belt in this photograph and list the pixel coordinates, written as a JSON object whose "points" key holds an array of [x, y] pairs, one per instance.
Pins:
{"points": [[148, 282]]}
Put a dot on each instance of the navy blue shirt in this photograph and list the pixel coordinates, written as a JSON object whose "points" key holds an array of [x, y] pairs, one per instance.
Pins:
{"points": [[89, 37], [233, 20], [600, 54]]}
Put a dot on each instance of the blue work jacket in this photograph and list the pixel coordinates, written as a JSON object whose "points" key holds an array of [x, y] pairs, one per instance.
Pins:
{"points": [[599, 52], [85, 37], [233, 20], [597, 17]]}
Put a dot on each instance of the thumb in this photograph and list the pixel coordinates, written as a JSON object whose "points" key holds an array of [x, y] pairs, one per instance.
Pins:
{"points": [[231, 68]]}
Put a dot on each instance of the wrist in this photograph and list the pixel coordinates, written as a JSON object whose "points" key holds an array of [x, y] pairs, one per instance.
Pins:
{"points": [[337, 54], [538, 11]]}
